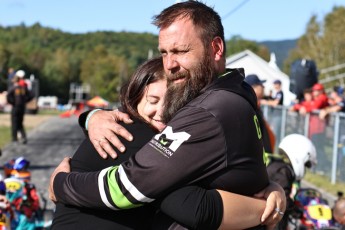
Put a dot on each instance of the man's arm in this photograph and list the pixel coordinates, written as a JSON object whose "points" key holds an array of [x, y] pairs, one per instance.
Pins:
{"points": [[176, 157], [102, 125], [159, 167], [199, 208], [10, 97]]}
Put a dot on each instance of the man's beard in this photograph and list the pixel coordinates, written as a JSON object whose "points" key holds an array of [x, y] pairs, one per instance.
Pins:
{"points": [[179, 94]]}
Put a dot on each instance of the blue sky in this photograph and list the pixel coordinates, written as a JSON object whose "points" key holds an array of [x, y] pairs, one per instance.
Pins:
{"points": [[258, 20]]}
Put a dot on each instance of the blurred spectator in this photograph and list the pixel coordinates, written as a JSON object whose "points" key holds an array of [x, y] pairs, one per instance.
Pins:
{"points": [[317, 126], [10, 75], [339, 212], [320, 99], [18, 95], [336, 102], [276, 99], [277, 96], [258, 87], [307, 101]]}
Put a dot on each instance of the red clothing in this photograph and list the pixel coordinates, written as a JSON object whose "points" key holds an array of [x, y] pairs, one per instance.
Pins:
{"points": [[317, 126], [308, 105], [22, 83], [319, 102]]}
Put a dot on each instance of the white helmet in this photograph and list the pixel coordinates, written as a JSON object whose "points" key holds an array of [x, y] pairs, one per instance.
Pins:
{"points": [[301, 153], [20, 73]]}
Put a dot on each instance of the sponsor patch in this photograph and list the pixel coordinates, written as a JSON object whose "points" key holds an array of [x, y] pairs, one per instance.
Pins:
{"points": [[168, 142]]}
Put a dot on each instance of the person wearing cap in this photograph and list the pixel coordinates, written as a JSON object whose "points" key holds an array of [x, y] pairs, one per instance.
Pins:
{"points": [[18, 95], [278, 97], [21, 74], [268, 135]]}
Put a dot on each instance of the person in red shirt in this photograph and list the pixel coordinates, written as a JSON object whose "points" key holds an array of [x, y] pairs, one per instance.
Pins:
{"points": [[306, 103], [316, 125], [320, 99]]}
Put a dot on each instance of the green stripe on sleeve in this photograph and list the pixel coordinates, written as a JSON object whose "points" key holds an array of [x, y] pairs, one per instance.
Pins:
{"points": [[116, 194]]}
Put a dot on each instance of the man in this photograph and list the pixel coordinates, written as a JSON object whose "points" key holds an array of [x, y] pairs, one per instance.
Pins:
{"points": [[267, 134], [10, 74], [278, 97], [18, 96], [212, 118], [339, 213]]}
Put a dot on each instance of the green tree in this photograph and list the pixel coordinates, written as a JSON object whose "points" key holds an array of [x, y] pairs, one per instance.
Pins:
{"points": [[56, 74], [323, 42], [104, 72], [4, 58]]}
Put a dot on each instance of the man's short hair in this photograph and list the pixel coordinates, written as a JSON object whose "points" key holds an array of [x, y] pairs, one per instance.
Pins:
{"points": [[204, 17]]}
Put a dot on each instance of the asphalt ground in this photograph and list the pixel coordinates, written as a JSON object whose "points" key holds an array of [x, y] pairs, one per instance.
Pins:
{"points": [[47, 145]]}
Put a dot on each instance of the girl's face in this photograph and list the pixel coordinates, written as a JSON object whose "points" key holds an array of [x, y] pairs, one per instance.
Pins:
{"points": [[150, 106]]}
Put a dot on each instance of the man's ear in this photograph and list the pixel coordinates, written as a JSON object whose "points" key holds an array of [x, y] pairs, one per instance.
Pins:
{"points": [[218, 48]]}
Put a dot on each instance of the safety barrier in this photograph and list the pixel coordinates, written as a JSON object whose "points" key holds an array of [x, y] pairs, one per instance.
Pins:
{"points": [[328, 136]]}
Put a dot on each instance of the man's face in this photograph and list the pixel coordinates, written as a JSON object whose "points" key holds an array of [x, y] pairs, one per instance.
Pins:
{"points": [[188, 65], [277, 86], [259, 91], [182, 50]]}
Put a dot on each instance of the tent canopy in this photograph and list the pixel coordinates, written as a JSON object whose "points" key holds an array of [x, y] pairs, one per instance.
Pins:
{"points": [[97, 101]]}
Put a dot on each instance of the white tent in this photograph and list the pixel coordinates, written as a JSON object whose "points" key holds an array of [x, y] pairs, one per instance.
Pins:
{"points": [[270, 72]]}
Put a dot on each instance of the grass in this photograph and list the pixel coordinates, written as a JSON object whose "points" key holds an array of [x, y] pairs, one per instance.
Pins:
{"points": [[325, 183], [5, 131], [49, 112], [5, 136]]}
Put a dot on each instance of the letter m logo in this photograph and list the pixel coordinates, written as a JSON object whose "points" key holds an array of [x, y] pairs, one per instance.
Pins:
{"points": [[171, 140]]}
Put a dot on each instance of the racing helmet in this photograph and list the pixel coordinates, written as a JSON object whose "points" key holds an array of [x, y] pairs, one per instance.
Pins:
{"points": [[14, 188], [301, 152], [21, 164], [18, 168]]}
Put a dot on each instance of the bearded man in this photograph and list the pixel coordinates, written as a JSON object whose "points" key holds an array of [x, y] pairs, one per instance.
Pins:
{"points": [[213, 136]]}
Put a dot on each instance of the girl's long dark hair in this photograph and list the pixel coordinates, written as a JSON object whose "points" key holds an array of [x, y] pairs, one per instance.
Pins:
{"points": [[132, 92]]}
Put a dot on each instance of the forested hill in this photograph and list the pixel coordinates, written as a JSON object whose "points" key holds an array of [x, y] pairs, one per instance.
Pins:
{"points": [[281, 49], [106, 59], [101, 59]]}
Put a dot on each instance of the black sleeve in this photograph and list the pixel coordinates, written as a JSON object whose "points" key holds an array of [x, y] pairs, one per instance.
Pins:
{"points": [[194, 207], [74, 197], [82, 119], [10, 97]]}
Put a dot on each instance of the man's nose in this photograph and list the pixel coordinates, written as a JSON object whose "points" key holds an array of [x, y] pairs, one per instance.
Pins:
{"points": [[171, 65]]}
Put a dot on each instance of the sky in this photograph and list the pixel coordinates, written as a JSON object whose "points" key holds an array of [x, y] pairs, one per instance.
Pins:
{"points": [[257, 20]]}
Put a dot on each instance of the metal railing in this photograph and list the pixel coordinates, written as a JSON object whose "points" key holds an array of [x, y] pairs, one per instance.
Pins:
{"points": [[328, 136]]}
